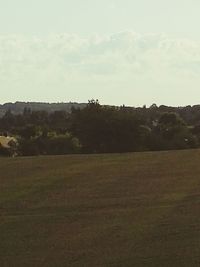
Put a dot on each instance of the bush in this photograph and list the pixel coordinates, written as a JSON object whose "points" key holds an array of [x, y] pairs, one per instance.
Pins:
{"points": [[49, 145], [4, 151]]}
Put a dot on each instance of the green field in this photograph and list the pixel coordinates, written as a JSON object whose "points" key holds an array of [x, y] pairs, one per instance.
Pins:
{"points": [[137, 209]]}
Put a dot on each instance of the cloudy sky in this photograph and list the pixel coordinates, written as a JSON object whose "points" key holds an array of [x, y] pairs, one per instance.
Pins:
{"points": [[130, 52]]}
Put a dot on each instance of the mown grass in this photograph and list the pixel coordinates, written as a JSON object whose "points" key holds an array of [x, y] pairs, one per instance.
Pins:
{"points": [[137, 209]]}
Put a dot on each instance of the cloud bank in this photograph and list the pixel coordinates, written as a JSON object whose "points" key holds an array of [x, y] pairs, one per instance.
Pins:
{"points": [[123, 66]]}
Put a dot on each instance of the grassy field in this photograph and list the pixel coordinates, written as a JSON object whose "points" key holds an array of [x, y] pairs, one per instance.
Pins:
{"points": [[140, 209]]}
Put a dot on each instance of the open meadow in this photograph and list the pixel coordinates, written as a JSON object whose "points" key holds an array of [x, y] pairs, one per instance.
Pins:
{"points": [[136, 209]]}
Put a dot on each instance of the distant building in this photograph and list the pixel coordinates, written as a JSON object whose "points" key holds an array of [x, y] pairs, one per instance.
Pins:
{"points": [[7, 141], [8, 146]]}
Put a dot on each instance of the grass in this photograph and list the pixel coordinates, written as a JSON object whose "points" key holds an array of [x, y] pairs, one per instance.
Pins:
{"points": [[137, 209]]}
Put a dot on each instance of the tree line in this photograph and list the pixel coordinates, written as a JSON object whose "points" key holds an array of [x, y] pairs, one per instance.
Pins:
{"points": [[101, 129]]}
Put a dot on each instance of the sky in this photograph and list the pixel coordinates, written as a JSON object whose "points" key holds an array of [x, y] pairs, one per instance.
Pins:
{"points": [[131, 52]]}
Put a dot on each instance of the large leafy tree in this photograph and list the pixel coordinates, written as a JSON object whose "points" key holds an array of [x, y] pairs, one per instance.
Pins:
{"points": [[106, 129]]}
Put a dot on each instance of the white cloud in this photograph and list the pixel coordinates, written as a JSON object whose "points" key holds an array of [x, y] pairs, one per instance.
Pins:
{"points": [[124, 59]]}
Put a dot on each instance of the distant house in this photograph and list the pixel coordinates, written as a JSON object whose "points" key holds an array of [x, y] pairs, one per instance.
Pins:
{"points": [[8, 145], [7, 142]]}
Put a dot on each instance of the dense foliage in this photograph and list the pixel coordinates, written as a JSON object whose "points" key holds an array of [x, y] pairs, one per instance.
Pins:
{"points": [[102, 129]]}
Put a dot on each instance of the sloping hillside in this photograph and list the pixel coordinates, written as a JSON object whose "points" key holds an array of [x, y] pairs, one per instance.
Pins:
{"points": [[18, 107], [139, 209]]}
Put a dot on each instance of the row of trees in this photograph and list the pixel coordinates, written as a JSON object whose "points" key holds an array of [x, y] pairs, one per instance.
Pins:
{"points": [[99, 129]]}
